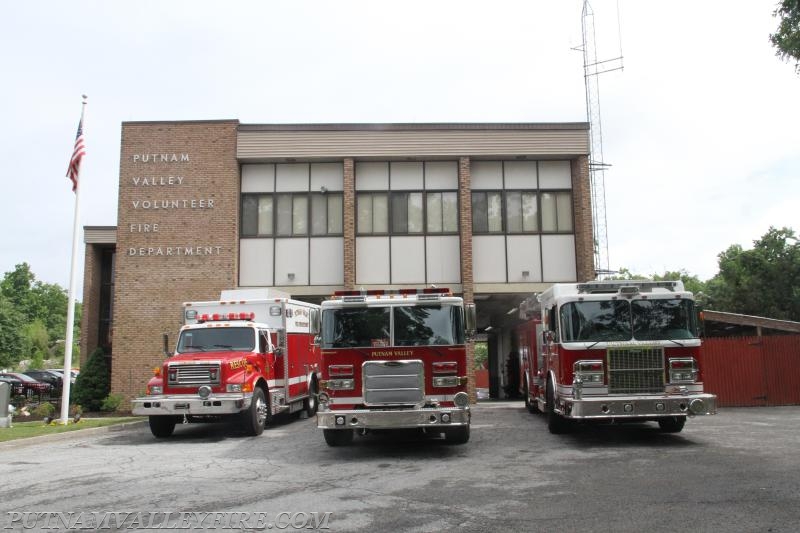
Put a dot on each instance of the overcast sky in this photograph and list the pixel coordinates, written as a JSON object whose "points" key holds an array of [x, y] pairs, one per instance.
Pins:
{"points": [[701, 126]]}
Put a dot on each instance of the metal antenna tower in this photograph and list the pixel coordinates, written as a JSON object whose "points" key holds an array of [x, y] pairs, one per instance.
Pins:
{"points": [[592, 68]]}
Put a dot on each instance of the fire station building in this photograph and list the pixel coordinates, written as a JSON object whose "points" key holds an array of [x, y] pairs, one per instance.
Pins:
{"points": [[494, 211]]}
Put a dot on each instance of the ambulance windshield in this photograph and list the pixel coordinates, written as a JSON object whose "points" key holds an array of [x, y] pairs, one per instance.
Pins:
{"points": [[216, 339]]}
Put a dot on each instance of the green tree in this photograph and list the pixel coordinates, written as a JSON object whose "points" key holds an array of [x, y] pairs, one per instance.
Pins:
{"points": [[92, 384], [764, 281], [787, 37], [37, 342], [12, 341]]}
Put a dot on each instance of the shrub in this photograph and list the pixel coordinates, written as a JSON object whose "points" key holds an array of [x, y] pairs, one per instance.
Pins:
{"points": [[44, 409], [93, 384], [111, 402]]}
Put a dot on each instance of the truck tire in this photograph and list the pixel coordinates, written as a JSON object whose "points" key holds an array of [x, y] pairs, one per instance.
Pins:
{"points": [[456, 435], [162, 426], [310, 404], [256, 417], [673, 424], [338, 437], [531, 406], [556, 423]]}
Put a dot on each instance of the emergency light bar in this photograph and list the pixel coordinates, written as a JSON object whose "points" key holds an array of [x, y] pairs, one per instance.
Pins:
{"points": [[626, 286], [225, 316], [360, 295]]}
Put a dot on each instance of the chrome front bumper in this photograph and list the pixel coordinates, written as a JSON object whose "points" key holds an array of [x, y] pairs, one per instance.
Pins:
{"points": [[394, 419], [638, 406], [191, 404]]}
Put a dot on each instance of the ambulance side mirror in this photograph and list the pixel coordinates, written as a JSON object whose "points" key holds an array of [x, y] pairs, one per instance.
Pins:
{"points": [[167, 353], [470, 319]]}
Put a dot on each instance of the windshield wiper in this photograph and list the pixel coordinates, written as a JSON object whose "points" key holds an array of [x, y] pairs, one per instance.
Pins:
{"points": [[226, 346], [676, 342], [193, 347]]}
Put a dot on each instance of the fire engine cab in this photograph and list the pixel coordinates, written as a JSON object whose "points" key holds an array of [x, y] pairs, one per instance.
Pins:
{"points": [[249, 355], [614, 351], [394, 359]]}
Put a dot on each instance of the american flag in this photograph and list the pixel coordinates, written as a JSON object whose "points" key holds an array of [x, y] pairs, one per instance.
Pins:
{"points": [[77, 154]]}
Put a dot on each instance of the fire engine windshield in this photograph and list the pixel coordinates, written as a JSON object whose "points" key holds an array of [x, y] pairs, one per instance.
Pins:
{"points": [[621, 320], [216, 339], [369, 327], [664, 319]]}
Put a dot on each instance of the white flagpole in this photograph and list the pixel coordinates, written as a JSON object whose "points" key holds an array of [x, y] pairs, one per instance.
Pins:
{"points": [[67, 380]]}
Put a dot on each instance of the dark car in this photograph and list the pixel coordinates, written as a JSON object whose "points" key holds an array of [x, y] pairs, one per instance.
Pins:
{"points": [[46, 376], [16, 384], [31, 386]]}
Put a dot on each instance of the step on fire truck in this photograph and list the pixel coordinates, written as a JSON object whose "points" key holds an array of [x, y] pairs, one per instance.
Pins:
{"points": [[613, 351], [395, 359], [249, 355]]}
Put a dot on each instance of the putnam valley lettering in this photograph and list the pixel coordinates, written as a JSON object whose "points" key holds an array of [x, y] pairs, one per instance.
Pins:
{"points": [[158, 181], [160, 158]]}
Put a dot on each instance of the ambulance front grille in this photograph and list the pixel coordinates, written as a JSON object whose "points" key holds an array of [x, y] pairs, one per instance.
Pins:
{"points": [[635, 370], [189, 375], [393, 382]]}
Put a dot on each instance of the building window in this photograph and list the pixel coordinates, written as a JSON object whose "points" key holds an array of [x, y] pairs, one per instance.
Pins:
{"points": [[442, 212], [487, 212], [522, 213], [557, 211], [373, 213], [406, 212], [257, 215], [326, 214]]}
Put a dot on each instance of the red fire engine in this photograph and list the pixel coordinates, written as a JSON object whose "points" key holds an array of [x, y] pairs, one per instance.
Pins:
{"points": [[251, 355], [614, 351], [394, 359]]}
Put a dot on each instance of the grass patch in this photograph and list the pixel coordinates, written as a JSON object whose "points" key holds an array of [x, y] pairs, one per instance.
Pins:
{"points": [[24, 430]]}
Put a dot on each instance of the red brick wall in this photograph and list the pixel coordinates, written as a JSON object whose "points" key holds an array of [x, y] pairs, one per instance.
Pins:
{"points": [[155, 272], [582, 210]]}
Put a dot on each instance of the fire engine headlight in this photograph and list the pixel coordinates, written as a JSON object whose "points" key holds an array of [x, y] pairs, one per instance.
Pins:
{"points": [[204, 391], [590, 378], [340, 384], [461, 399], [154, 390], [233, 387], [445, 381]]}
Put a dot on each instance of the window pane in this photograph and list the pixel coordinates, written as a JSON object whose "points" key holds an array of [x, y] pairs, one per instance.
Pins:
{"points": [[479, 213], [549, 222], [334, 213], [300, 215], [513, 212], [399, 213], [530, 219], [364, 202], [564, 205], [495, 211], [284, 214], [415, 212], [319, 214], [265, 215], [434, 203], [380, 213], [249, 215], [449, 212]]}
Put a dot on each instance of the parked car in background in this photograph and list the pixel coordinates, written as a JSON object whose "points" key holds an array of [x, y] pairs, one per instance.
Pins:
{"points": [[16, 384], [31, 386], [47, 376], [60, 372]]}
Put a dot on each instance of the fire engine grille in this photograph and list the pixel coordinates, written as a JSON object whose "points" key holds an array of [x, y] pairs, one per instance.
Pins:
{"points": [[635, 370], [194, 374], [393, 382]]}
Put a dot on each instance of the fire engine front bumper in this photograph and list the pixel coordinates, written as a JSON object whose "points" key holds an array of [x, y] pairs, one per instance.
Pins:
{"points": [[439, 417], [192, 405], [638, 406]]}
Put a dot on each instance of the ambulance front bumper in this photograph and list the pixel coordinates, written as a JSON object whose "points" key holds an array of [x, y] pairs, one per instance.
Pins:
{"points": [[191, 404], [652, 407], [440, 417]]}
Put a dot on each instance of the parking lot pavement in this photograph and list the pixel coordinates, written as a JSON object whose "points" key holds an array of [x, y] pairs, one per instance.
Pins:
{"points": [[736, 471]]}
